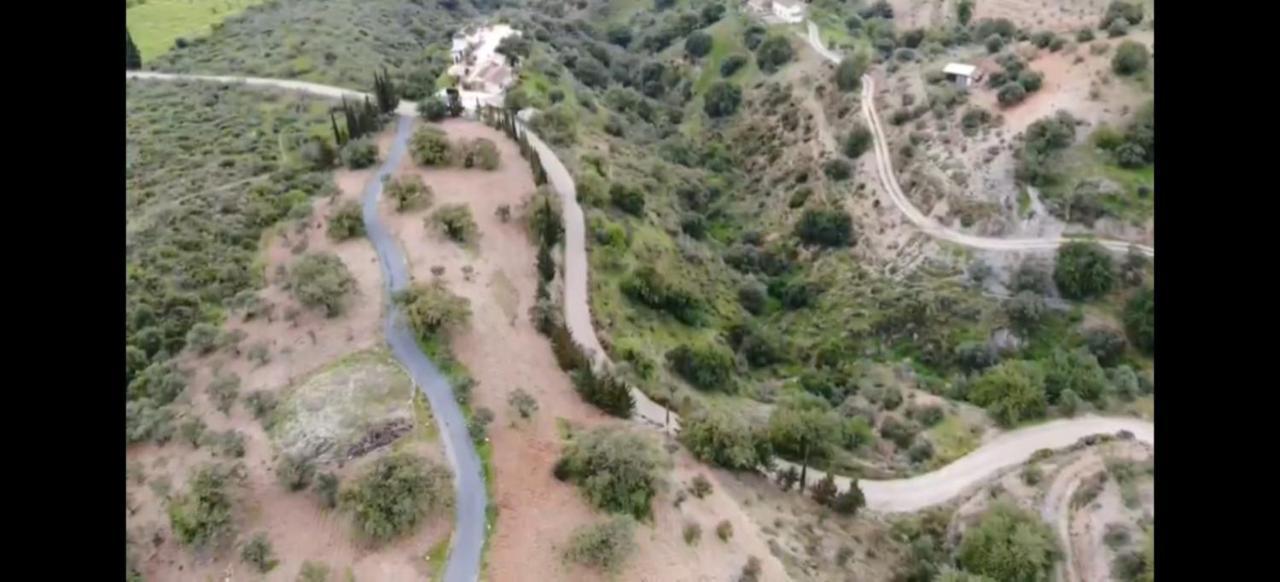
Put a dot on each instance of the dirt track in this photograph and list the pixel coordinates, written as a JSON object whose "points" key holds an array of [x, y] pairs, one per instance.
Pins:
{"points": [[889, 183]]}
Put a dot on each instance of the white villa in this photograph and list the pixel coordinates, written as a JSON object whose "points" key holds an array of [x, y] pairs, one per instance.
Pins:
{"points": [[476, 64]]}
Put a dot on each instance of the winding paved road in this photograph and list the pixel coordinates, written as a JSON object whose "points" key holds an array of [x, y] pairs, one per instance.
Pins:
{"points": [[931, 227], [897, 495]]}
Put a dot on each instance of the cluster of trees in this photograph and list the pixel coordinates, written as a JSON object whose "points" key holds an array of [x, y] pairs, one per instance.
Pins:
{"points": [[728, 440], [1129, 58], [1008, 543], [618, 470], [722, 99], [651, 287], [361, 119], [1124, 13], [849, 72], [395, 494], [321, 280], [605, 389]]}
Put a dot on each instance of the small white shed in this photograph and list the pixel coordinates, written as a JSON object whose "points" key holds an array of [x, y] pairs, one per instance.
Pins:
{"points": [[961, 74]]}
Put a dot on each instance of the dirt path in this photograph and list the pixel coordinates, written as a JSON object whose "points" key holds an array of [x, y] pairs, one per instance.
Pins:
{"points": [[889, 182], [1082, 561]]}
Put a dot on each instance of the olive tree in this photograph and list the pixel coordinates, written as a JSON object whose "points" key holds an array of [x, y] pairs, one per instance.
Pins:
{"points": [[1083, 270], [1009, 543], [393, 496], [804, 427], [321, 280], [618, 470], [1012, 392]]}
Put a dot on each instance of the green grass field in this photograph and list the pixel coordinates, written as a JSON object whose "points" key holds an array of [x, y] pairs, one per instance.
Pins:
{"points": [[156, 24]]}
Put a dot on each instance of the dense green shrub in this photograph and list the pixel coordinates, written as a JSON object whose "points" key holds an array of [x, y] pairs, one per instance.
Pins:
{"points": [[732, 63], [826, 227], [753, 296], [432, 308], [722, 99], [320, 280], [849, 72], [1140, 319], [837, 169], [409, 192], [346, 221], [201, 517], [455, 221], [705, 365], [698, 44], [857, 142], [1030, 80], [1106, 344], [1009, 544], [294, 473], [774, 52], [803, 426], [1130, 12], [429, 146], [605, 546], [652, 288], [480, 152], [222, 390], [202, 337], [1075, 370], [1119, 27], [359, 153], [1012, 392], [1083, 270], [1129, 58], [395, 494], [994, 43], [1011, 93], [627, 198], [900, 432], [606, 390], [617, 470], [258, 553], [725, 439], [432, 109]]}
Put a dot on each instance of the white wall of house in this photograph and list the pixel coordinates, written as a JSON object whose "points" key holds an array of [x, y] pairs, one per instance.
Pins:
{"points": [[789, 13]]}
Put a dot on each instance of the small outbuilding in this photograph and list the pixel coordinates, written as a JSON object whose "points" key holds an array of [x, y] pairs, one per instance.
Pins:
{"points": [[960, 74]]}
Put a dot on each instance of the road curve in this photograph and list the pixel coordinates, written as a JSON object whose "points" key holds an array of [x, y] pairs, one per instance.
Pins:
{"points": [[931, 227], [897, 495], [470, 498], [1007, 450]]}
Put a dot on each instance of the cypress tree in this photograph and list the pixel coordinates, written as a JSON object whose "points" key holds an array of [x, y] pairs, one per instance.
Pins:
{"points": [[132, 59], [546, 265], [337, 134]]}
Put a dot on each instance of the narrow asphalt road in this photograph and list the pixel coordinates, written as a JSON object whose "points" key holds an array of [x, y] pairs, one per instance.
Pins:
{"points": [[470, 498], [897, 495], [931, 227]]}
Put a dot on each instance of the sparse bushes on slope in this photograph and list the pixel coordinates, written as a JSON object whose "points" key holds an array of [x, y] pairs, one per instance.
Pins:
{"points": [[651, 287], [605, 389]]}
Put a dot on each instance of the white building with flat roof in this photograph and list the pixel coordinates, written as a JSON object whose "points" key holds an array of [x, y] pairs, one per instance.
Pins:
{"points": [[961, 74], [789, 10]]}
